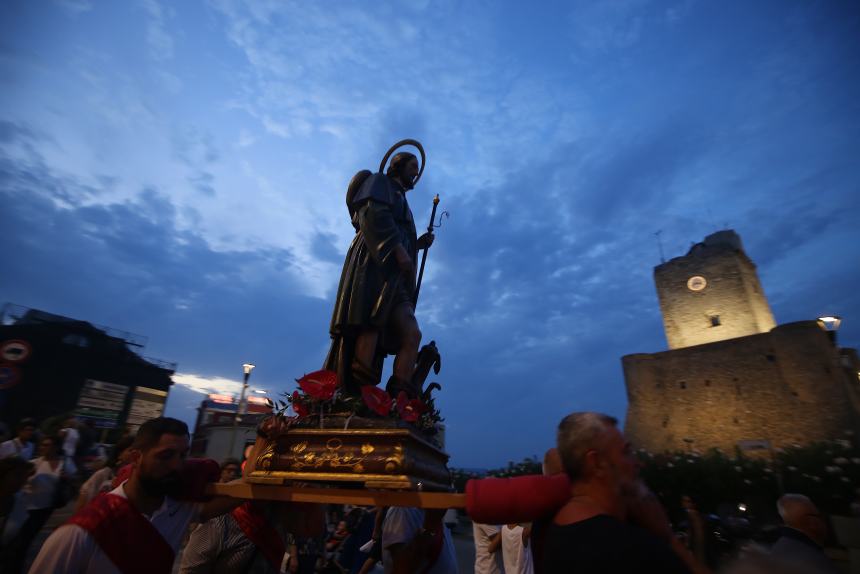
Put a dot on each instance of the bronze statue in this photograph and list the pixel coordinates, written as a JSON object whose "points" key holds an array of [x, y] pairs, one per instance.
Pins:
{"points": [[374, 312]]}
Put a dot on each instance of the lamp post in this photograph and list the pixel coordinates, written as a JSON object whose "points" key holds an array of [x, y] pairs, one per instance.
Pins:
{"points": [[830, 323], [246, 369]]}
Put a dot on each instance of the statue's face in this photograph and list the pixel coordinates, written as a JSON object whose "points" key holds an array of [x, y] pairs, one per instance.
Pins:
{"points": [[409, 173]]}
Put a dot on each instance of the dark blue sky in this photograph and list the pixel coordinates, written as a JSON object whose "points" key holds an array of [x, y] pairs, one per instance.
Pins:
{"points": [[178, 170]]}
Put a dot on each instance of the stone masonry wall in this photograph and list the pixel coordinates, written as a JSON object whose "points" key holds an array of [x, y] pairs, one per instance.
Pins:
{"points": [[787, 386]]}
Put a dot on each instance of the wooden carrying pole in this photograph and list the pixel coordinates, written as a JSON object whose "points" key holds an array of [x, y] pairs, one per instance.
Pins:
{"points": [[360, 497]]}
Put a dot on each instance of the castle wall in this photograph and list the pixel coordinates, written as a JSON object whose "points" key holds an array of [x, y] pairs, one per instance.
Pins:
{"points": [[787, 386]]}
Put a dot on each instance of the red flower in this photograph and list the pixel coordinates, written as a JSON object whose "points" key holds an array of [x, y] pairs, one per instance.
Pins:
{"points": [[298, 406], [410, 410], [319, 384], [378, 400]]}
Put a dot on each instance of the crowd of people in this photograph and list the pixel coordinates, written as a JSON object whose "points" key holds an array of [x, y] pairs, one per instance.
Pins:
{"points": [[142, 508]]}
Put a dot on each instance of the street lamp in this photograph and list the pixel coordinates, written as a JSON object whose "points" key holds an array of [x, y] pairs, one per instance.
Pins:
{"points": [[830, 323], [246, 369]]}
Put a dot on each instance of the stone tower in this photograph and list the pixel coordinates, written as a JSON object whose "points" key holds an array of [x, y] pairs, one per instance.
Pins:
{"points": [[711, 294], [732, 377]]}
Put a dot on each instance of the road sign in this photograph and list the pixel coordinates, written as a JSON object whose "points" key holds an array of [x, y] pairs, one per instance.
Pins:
{"points": [[15, 351], [146, 404]]}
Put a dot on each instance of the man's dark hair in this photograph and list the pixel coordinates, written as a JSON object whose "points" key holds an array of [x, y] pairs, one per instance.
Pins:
{"points": [[398, 162], [56, 440], [24, 423], [151, 431], [579, 433]]}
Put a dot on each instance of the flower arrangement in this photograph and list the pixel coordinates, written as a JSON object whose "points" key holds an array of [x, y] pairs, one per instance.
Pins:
{"points": [[320, 395]]}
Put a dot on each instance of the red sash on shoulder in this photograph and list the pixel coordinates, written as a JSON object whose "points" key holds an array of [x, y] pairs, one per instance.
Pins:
{"points": [[130, 541], [256, 527]]}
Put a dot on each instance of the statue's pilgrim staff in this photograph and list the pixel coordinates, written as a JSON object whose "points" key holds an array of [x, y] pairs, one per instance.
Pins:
{"points": [[432, 224]]}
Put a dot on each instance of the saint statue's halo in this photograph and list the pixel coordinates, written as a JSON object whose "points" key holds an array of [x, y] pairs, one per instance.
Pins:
{"points": [[414, 143]]}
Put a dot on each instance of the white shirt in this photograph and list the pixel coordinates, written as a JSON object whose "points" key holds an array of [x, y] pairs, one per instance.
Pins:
{"points": [[42, 486], [485, 563], [70, 443], [518, 558], [401, 525], [15, 448], [72, 550]]}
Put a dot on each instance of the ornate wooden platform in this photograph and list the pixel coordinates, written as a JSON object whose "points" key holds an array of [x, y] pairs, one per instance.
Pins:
{"points": [[357, 496], [394, 458]]}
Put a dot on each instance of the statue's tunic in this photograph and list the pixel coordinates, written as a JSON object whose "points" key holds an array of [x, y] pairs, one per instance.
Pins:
{"points": [[371, 283]]}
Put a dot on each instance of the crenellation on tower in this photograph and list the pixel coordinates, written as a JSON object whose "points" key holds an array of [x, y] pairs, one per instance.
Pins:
{"points": [[711, 294]]}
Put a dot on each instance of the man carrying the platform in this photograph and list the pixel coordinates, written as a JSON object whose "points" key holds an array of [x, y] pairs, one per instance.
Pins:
{"points": [[374, 311], [138, 526], [253, 538], [611, 523], [417, 541]]}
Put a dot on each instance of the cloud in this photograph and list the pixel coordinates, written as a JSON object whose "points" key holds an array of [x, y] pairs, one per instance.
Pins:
{"points": [[75, 7], [158, 38], [207, 385]]}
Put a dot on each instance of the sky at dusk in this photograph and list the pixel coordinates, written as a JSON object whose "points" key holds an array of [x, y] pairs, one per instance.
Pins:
{"points": [[178, 170]]}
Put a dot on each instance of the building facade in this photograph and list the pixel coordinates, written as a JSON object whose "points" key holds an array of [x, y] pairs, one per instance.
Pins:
{"points": [[732, 377], [54, 366]]}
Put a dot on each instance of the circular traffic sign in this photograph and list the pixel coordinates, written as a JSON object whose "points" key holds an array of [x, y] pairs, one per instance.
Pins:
{"points": [[9, 376], [15, 351]]}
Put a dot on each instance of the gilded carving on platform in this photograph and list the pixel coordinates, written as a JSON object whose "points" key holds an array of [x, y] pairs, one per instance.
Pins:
{"points": [[334, 456], [394, 462], [264, 461]]}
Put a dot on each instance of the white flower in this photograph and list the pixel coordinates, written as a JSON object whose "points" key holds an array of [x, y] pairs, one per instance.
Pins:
{"points": [[670, 465], [856, 460], [845, 479], [840, 460], [738, 469], [748, 481], [848, 432], [768, 470], [792, 468], [816, 478]]}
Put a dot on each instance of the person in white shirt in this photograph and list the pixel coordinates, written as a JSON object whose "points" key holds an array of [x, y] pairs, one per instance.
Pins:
{"points": [[71, 436], [22, 445], [139, 522], [515, 549], [41, 491], [415, 540], [488, 540]]}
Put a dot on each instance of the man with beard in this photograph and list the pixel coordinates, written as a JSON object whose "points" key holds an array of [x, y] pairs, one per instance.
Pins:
{"points": [[138, 526], [611, 523]]}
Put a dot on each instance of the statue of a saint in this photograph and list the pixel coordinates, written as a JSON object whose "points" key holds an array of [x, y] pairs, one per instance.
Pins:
{"points": [[374, 313]]}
